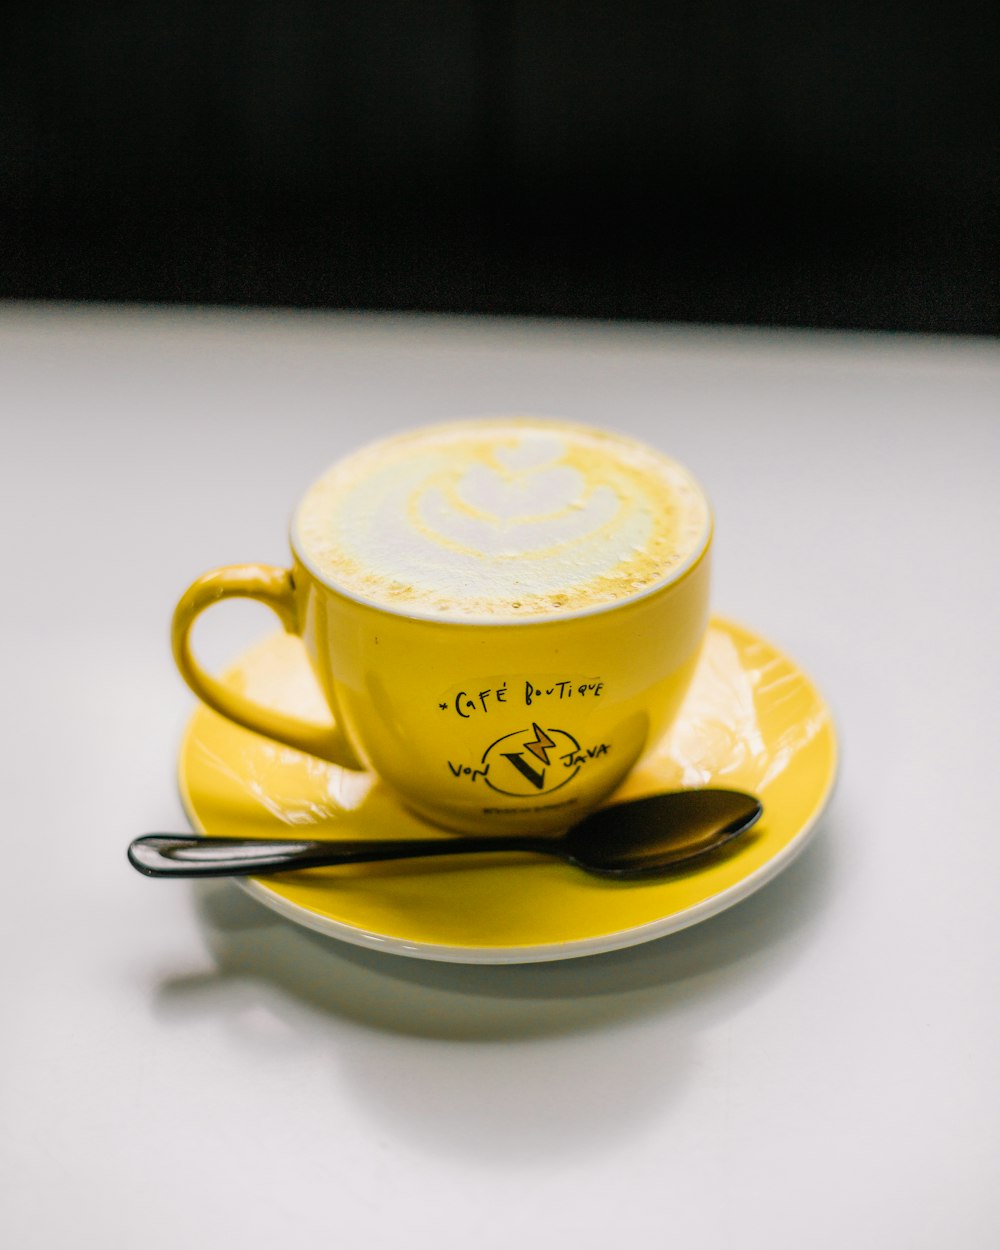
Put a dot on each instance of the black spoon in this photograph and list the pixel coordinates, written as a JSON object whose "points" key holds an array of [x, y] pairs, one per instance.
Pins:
{"points": [[641, 838]]}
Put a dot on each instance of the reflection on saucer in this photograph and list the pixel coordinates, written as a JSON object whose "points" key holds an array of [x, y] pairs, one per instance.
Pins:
{"points": [[720, 734]]}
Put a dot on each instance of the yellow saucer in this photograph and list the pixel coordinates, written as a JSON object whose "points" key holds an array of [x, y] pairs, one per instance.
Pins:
{"points": [[752, 721]]}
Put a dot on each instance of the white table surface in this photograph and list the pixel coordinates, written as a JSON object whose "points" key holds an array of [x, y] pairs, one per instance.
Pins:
{"points": [[818, 1067]]}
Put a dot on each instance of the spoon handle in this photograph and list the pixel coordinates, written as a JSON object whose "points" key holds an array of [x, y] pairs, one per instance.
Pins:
{"points": [[178, 855]]}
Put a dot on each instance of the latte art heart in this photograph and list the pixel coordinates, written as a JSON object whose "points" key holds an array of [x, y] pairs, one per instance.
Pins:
{"points": [[490, 513], [520, 494], [502, 519]]}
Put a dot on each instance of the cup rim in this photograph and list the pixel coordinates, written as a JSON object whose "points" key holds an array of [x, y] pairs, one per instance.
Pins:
{"points": [[672, 578], [473, 621]]}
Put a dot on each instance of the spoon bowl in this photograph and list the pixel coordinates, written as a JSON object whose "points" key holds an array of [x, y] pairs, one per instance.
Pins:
{"points": [[644, 837], [660, 833]]}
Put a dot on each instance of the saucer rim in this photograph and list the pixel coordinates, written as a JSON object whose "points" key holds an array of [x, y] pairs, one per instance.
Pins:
{"points": [[577, 948]]}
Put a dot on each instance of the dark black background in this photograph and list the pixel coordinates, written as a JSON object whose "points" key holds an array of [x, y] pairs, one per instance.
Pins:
{"points": [[825, 162]]}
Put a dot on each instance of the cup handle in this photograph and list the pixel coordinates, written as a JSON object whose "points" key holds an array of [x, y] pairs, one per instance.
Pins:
{"points": [[275, 588]]}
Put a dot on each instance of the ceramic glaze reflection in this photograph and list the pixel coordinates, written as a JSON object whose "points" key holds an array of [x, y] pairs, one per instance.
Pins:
{"points": [[502, 519]]}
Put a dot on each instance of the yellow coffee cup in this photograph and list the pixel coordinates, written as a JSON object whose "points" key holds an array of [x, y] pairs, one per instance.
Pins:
{"points": [[502, 615]]}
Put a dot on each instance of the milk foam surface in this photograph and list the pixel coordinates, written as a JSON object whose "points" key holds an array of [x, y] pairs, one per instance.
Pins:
{"points": [[501, 518]]}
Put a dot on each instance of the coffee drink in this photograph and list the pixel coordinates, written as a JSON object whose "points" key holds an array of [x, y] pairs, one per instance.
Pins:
{"points": [[480, 602], [502, 519]]}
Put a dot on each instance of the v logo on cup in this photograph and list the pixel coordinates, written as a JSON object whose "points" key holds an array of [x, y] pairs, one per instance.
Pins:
{"points": [[520, 777], [539, 746]]}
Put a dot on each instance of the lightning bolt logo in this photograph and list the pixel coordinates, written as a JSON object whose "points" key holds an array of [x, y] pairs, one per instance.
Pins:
{"points": [[541, 746], [532, 763]]}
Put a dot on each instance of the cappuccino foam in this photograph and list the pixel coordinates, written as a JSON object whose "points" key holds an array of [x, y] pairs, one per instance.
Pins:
{"points": [[501, 518]]}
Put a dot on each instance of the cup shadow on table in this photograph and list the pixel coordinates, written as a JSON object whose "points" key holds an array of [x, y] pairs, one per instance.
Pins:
{"points": [[509, 1060]]}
